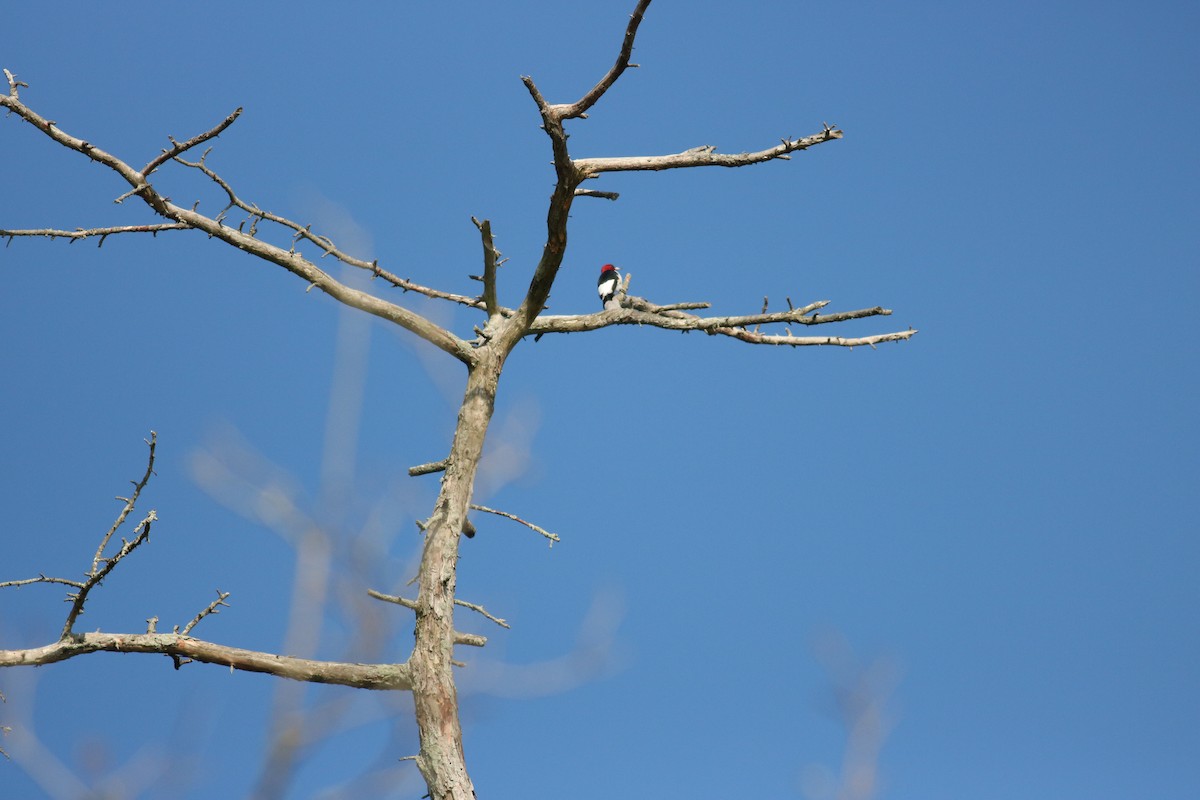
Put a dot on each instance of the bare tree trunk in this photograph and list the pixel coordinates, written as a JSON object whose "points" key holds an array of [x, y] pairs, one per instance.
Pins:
{"points": [[441, 759]]}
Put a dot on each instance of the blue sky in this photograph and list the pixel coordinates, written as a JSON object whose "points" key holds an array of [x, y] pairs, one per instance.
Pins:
{"points": [[994, 514]]}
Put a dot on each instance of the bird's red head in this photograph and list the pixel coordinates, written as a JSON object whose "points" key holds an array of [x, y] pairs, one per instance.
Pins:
{"points": [[606, 268]]}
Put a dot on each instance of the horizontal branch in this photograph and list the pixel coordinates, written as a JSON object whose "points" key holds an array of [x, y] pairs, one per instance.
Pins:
{"points": [[428, 469], [597, 193], [85, 233], [41, 579], [553, 537], [704, 156], [360, 676], [638, 311]]}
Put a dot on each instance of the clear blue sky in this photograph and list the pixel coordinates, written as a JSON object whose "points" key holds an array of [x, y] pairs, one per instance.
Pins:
{"points": [[998, 509]]}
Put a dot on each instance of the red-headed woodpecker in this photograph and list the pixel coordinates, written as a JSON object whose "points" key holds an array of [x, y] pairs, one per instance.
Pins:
{"points": [[610, 279]]}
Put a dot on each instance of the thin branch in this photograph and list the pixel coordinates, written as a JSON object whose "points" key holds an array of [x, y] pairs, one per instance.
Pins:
{"points": [[490, 257], [130, 502], [324, 242], [212, 608], [580, 107], [393, 598], [481, 610], [703, 156], [14, 84], [41, 579], [102, 566], [288, 259], [553, 537], [682, 307], [106, 565], [474, 640], [181, 147], [84, 233], [362, 676]]}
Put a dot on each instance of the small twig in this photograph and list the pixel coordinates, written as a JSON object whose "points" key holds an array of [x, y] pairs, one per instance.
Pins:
{"points": [[480, 609], [13, 85], [130, 502], [212, 608], [553, 537], [392, 598], [764, 311]]}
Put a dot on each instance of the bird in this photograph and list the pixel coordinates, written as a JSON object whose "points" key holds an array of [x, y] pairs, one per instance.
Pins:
{"points": [[610, 280]]}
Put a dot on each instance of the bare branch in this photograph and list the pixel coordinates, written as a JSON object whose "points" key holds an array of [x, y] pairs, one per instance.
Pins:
{"points": [[431, 467], [103, 233], [212, 608], [178, 147], [130, 502], [553, 537], [102, 566], [326, 244], [682, 307], [480, 610], [288, 259], [580, 107], [393, 598], [638, 311], [14, 84], [597, 193], [703, 156], [490, 256], [471, 639], [41, 579], [105, 566], [362, 676]]}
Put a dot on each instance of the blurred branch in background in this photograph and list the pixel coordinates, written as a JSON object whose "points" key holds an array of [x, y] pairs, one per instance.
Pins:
{"points": [[861, 693]]}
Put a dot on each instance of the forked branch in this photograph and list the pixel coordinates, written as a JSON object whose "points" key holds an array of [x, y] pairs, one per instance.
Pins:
{"points": [[289, 259], [178, 148]]}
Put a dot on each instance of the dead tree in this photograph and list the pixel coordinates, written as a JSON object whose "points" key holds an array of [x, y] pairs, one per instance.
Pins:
{"points": [[428, 670]]}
